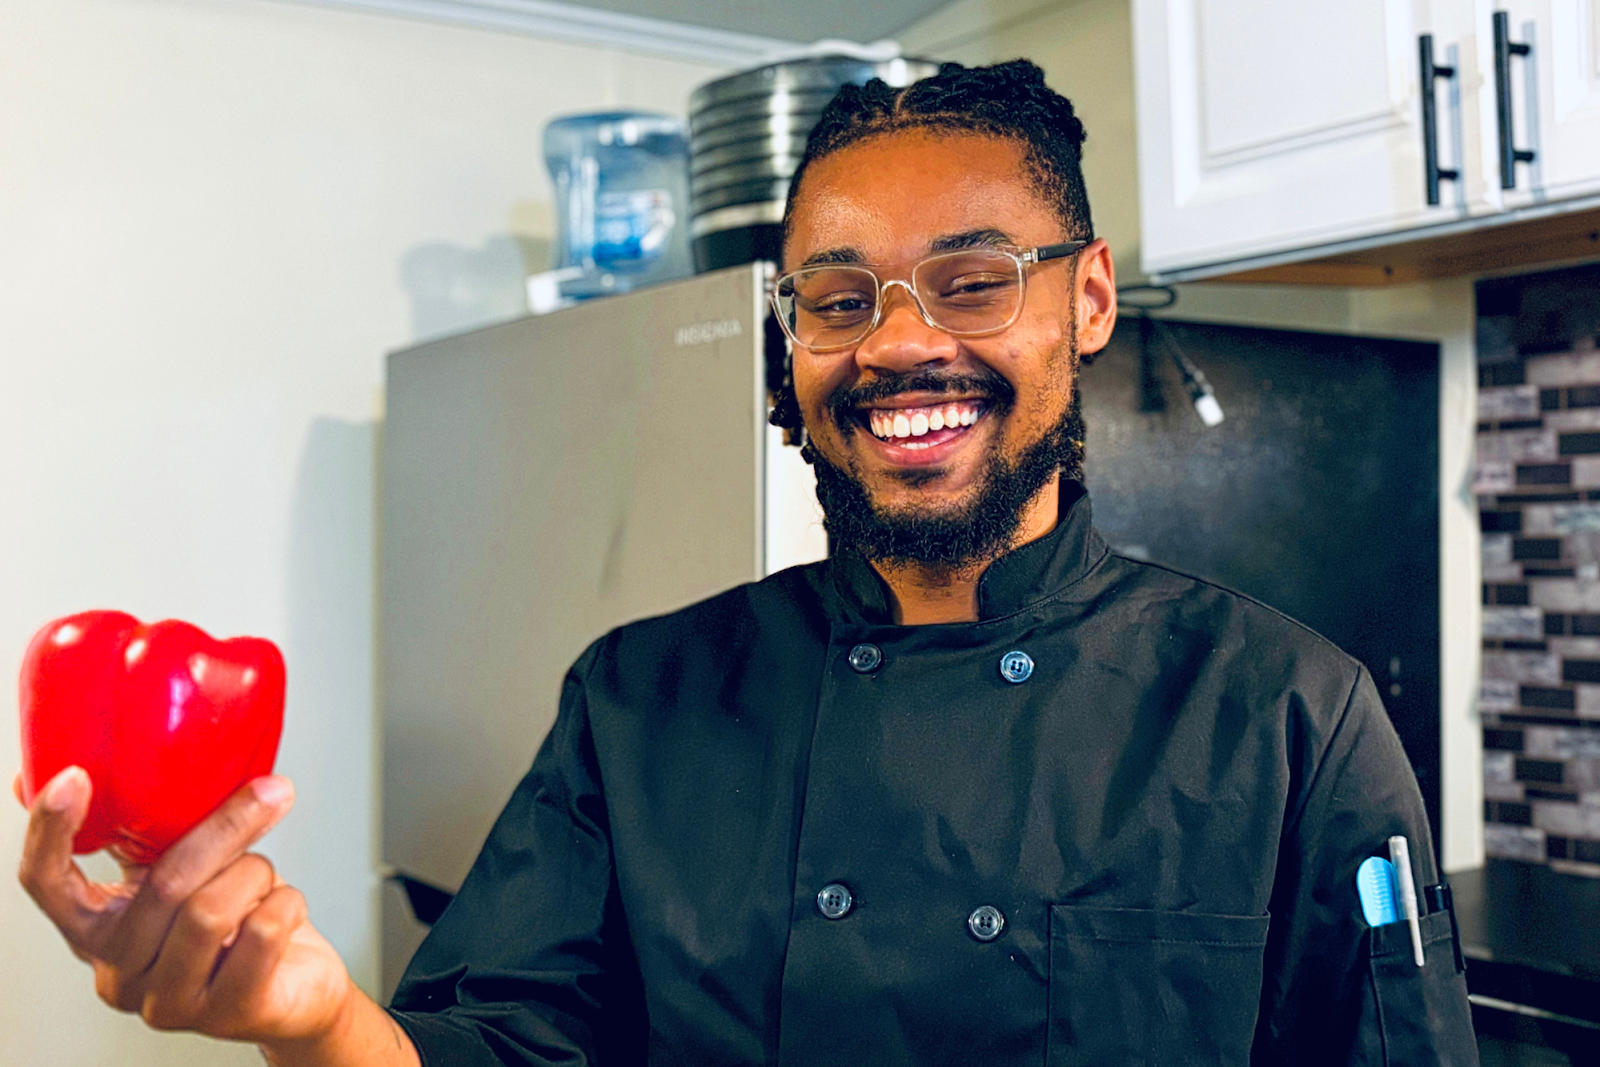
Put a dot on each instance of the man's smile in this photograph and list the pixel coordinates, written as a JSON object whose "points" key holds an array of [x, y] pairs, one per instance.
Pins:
{"points": [[934, 422], [910, 431], [920, 420]]}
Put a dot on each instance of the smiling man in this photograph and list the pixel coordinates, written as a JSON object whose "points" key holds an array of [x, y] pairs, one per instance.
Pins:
{"points": [[975, 791]]}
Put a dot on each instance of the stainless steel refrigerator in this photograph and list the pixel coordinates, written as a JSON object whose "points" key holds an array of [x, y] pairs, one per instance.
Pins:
{"points": [[544, 481]]}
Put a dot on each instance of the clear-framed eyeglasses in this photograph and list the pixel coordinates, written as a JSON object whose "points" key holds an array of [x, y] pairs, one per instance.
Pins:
{"points": [[970, 292]]}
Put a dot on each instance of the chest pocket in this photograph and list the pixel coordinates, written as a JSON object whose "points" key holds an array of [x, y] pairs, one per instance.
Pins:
{"points": [[1135, 988], [1415, 1016]]}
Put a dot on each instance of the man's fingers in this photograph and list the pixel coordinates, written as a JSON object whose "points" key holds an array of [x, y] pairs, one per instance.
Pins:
{"points": [[16, 788], [48, 873], [224, 836], [207, 923], [199, 856], [263, 939]]}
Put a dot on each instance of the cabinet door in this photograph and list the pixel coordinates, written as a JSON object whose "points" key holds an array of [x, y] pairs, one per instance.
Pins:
{"points": [[1267, 126], [1555, 98]]}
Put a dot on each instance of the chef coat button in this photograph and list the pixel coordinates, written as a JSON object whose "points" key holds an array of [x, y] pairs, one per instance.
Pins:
{"points": [[1016, 667], [986, 922], [834, 901], [864, 658]]}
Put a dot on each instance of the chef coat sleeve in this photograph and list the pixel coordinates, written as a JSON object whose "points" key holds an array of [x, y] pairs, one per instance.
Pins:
{"points": [[531, 963], [1336, 991]]}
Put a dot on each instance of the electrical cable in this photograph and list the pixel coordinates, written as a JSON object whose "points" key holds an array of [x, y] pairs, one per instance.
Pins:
{"points": [[1141, 300]]}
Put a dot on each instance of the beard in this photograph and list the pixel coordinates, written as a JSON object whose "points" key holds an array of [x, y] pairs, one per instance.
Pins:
{"points": [[977, 532]]}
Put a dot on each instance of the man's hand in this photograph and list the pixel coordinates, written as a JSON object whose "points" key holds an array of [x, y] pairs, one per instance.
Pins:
{"points": [[208, 938]]}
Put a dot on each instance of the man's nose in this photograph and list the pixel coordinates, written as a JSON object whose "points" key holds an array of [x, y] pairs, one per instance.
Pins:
{"points": [[903, 341]]}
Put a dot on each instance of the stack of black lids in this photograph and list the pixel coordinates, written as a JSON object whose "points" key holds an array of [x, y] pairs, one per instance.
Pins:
{"points": [[746, 135]]}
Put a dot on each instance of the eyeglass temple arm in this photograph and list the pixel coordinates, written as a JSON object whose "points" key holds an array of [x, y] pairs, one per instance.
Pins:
{"points": [[1055, 251], [1044, 252]]}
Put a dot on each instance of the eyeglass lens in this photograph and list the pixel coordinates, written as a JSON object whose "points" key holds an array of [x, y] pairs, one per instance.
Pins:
{"points": [[969, 292]]}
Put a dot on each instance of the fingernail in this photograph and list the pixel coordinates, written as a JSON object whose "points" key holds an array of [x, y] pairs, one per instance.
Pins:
{"points": [[272, 790], [64, 788]]}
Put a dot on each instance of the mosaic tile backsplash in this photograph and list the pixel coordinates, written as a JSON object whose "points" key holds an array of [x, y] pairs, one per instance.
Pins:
{"points": [[1538, 485]]}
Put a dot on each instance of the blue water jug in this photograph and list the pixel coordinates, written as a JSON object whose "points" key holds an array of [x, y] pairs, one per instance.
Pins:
{"points": [[621, 196]]}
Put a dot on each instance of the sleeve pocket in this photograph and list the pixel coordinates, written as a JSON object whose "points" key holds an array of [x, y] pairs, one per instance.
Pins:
{"points": [[1137, 988], [1418, 1015]]}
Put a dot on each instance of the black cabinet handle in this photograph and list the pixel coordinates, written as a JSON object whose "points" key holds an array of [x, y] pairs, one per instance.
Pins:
{"points": [[1504, 49], [1432, 72]]}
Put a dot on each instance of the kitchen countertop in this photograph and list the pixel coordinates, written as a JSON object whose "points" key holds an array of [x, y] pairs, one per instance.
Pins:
{"points": [[1531, 938]]}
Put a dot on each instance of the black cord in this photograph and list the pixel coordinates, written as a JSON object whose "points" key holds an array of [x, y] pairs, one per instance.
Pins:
{"points": [[1151, 396], [1140, 301]]}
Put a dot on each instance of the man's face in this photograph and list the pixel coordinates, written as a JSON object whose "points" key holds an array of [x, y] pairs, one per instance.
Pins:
{"points": [[888, 202]]}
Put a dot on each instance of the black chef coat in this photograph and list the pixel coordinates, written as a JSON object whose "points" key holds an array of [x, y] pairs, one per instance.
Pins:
{"points": [[1167, 814]]}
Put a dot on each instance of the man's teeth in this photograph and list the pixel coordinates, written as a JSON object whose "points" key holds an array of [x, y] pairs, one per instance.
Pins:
{"points": [[914, 422]]}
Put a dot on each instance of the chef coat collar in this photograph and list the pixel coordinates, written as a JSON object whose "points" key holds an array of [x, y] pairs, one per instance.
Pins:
{"points": [[1023, 576]]}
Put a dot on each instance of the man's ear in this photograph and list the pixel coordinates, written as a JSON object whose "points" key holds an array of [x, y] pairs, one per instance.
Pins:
{"points": [[1096, 296]]}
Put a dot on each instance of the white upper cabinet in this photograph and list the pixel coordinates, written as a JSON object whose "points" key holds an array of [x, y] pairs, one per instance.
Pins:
{"points": [[1271, 127], [1552, 87]]}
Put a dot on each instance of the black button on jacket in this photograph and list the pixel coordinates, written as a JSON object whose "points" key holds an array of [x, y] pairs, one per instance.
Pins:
{"points": [[1168, 813]]}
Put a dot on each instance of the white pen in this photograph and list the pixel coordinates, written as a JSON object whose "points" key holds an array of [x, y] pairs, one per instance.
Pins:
{"points": [[1400, 857]]}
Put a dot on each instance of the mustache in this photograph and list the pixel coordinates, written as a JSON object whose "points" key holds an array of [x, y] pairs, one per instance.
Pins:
{"points": [[846, 400]]}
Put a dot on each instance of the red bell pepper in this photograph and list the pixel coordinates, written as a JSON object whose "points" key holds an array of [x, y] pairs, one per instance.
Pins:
{"points": [[167, 720]]}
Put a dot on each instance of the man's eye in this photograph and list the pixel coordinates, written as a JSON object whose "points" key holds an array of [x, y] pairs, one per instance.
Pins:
{"points": [[842, 304], [976, 285]]}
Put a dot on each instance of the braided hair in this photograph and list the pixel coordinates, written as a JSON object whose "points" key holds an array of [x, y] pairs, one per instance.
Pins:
{"points": [[1006, 100]]}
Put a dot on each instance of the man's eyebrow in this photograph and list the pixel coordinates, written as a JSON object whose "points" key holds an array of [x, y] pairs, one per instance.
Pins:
{"points": [[834, 255], [986, 238], [971, 239]]}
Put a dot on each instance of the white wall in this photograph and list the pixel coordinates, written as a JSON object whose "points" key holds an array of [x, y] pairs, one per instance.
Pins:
{"points": [[1086, 50], [205, 207]]}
